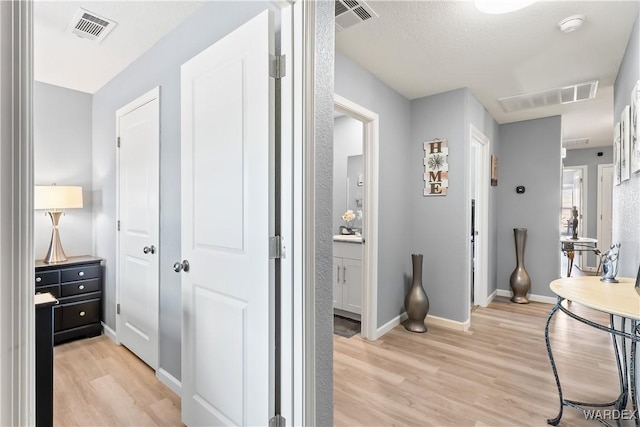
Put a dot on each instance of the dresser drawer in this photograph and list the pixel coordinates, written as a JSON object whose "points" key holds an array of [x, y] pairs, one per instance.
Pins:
{"points": [[82, 287], [80, 273], [53, 289], [47, 277], [80, 313]]}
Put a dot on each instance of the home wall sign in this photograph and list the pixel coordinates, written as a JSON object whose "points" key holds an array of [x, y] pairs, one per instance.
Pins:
{"points": [[436, 167]]}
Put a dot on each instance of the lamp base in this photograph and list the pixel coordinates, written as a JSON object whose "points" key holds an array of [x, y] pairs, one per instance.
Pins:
{"points": [[55, 253]]}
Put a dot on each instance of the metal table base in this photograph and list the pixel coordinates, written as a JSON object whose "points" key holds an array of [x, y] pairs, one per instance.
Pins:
{"points": [[626, 367]]}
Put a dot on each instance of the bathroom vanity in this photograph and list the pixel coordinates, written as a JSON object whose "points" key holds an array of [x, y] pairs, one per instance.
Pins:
{"points": [[347, 275]]}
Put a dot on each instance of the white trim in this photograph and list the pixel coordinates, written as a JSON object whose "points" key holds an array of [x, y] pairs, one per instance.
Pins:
{"points": [[448, 323], [482, 168], [17, 306], [530, 297], [390, 325], [583, 224], [144, 99], [170, 381], [491, 297], [110, 333], [599, 204], [370, 149]]}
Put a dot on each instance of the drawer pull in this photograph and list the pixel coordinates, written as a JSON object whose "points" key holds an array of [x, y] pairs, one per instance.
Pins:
{"points": [[81, 287], [80, 273], [38, 279], [82, 313]]}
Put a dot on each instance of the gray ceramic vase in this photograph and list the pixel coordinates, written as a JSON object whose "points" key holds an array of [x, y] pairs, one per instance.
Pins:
{"points": [[416, 303], [520, 281]]}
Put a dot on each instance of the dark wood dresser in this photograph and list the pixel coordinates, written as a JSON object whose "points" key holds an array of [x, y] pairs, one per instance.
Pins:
{"points": [[77, 284]]}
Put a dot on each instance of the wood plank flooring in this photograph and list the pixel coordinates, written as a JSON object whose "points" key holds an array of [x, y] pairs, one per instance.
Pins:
{"points": [[98, 383], [497, 374]]}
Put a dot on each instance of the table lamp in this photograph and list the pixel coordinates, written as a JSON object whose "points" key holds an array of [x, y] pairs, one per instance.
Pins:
{"points": [[54, 199]]}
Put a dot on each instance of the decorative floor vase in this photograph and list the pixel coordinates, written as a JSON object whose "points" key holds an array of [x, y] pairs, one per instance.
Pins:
{"points": [[416, 303], [520, 281]]}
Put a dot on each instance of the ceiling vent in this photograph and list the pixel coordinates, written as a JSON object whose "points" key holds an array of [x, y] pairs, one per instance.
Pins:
{"points": [[545, 98], [352, 12], [89, 25], [575, 142]]}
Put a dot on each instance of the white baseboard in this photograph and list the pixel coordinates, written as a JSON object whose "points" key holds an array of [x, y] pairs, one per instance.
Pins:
{"points": [[170, 381], [530, 297], [430, 320], [110, 333], [447, 323], [492, 296], [390, 325]]}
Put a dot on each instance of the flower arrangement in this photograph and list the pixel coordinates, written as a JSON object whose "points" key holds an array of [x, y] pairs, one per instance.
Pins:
{"points": [[349, 217]]}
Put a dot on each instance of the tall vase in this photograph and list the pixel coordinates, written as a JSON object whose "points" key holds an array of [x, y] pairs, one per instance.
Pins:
{"points": [[520, 281], [416, 303]]}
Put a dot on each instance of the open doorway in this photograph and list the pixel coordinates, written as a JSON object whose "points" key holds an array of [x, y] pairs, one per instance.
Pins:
{"points": [[479, 165], [356, 239], [574, 196]]}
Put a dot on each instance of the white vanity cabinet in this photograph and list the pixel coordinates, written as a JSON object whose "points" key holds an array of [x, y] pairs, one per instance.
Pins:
{"points": [[347, 276]]}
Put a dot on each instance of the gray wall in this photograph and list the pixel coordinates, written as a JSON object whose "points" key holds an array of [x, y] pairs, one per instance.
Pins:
{"points": [[160, 66], [62, 155], [323, 85], [438, 224], [626, 196], [589, 157], [479, 117], [530, 156], [347, 141], [394, 252]]}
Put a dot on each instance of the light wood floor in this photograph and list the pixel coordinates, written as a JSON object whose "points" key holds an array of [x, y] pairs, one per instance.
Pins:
{"points": [[97, 383], [497, 374]]}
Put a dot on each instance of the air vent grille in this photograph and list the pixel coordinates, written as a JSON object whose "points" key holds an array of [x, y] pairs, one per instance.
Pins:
{"points": [[555, 96], [352, 12], [575, 142], [89, 25]]}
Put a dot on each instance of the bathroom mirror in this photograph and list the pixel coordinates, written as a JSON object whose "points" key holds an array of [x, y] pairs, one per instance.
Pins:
{"points": [[355, 187]]}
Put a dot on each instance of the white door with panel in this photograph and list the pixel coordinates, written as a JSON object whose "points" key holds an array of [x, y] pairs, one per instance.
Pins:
{"points": [[227, 192], [138, 125], [347, 277]]}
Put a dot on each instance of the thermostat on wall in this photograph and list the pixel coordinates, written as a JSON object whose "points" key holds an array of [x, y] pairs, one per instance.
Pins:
{"points": [[520, 189]]}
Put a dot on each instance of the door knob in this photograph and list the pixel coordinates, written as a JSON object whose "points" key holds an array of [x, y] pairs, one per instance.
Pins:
{"points": [[181, 266], [149, 249]]}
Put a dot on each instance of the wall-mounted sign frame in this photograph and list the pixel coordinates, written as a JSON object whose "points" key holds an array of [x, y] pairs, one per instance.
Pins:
{"points": [[436, 167]]}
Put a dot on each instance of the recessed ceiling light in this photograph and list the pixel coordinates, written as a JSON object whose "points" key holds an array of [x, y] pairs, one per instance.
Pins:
{"points": [[501, 6], [571, 23]]}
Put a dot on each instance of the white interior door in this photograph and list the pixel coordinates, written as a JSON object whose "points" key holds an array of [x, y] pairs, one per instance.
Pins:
{"points": [[605, 205], [138, 206], [227, 294]]}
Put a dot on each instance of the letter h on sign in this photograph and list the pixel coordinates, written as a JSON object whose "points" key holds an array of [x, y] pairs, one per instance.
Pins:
{"points": [[436, 167]]}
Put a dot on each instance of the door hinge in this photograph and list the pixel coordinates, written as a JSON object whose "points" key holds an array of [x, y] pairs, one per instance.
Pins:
{"points": [[118, 142], [276, 247], [278, 421], [277, 66], [118, 308], [118, 225]]}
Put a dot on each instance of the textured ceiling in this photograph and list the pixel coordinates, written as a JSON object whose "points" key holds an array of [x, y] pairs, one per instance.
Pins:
{"points": [[421, 48], [63, 59]]}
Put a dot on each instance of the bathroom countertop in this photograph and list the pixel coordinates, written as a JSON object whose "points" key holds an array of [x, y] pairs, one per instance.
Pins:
{"points": [[347, 238]]}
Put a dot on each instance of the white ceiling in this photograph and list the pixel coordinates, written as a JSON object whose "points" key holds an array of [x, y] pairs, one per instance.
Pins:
{"points": [[63, 59], [421, 48]]}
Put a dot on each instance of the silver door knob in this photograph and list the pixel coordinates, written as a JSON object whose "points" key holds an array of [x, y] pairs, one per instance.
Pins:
{"points": [[149, 249], [181, 266]]}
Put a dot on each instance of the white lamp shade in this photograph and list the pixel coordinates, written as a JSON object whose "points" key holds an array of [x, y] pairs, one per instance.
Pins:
{"points": [[57, 197]]}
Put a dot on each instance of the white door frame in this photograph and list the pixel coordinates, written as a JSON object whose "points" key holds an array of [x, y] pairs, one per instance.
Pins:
{"points": [[599, 204], [153, 94], [370, 150], [580, 258], [17, 310], [481, 178]]}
